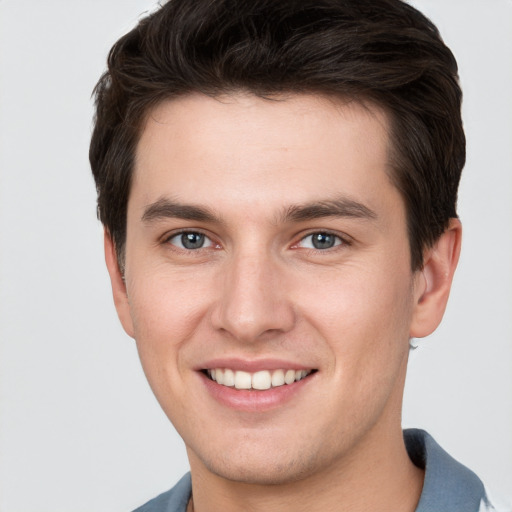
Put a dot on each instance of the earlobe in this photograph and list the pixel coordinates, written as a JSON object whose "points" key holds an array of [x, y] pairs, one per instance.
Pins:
{"points": [[433, 282], [118, 285]]}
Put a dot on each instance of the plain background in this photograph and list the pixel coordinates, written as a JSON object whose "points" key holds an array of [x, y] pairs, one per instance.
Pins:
{"points": [[80, 430]]}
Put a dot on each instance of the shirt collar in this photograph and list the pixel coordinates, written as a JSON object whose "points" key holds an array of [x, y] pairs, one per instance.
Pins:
{"points": [[448, 484]]}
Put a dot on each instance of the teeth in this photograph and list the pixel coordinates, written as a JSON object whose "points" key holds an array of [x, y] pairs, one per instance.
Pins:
{"points": [[260, 380], [277, 378], [289, 376], [242, 380], [229, 377]]}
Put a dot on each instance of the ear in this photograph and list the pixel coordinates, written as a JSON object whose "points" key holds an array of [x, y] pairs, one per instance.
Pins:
{"points": [[433, 282], [118, 285]]}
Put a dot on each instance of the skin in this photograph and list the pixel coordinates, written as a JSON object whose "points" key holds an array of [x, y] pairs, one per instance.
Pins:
{"points": [[260, 290]]}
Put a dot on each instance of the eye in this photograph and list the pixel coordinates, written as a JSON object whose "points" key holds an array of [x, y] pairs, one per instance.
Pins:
{"points": [[190, 240], [320, 240]]}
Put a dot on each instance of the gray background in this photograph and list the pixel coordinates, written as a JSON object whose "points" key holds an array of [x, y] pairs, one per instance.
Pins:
{"points": [[80, 429]]}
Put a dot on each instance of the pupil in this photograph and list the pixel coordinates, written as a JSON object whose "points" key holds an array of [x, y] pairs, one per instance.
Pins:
{"points": [[192, 240], [323, 241]]}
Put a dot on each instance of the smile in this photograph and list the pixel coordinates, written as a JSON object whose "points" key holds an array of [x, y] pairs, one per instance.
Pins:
{"points": [[260, 380]]}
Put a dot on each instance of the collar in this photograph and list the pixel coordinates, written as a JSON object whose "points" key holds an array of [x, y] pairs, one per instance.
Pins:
{"points": [[448, 484]]}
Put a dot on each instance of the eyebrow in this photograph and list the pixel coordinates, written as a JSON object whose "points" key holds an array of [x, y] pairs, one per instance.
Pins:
{"points": [[164, 209], [341, 207]]}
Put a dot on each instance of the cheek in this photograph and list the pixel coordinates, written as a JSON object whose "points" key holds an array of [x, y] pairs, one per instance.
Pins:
{"points": [[363, 316], [365, 327], [166, 310]]}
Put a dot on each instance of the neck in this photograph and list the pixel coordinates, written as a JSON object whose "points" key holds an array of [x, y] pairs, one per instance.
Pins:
{"points": [[377, 475]]}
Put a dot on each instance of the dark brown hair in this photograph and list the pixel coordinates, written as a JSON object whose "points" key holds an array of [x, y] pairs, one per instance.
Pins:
{"points": [[379, 51]]}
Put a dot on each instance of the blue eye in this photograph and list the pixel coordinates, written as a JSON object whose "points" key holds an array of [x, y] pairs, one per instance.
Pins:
{"points": [[320, 240], [190, 240]]}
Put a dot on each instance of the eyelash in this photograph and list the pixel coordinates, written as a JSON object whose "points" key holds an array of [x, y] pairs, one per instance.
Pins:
{"points": [[339, 241], [168, 239]]}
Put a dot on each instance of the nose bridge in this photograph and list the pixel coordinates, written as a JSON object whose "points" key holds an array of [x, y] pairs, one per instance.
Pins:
{"points": [[251, 301]]}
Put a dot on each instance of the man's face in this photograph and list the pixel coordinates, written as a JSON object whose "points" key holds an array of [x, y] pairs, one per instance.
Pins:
{"points": [[265, 242]]}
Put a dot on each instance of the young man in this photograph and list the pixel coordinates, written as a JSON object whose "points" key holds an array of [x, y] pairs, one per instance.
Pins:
{"points": [[278, 184]]}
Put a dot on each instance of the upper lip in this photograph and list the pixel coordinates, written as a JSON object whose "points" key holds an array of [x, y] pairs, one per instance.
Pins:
{"points": [[252, 365]]}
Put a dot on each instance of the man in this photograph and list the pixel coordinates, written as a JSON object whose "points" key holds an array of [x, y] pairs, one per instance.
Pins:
{"points": [[278, 185]]}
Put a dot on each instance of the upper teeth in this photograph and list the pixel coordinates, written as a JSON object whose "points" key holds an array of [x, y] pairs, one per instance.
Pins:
{"points": [[261, 380]]}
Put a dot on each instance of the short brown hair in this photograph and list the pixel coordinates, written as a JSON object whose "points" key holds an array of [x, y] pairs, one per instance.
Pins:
{"points": [[381, 51]]}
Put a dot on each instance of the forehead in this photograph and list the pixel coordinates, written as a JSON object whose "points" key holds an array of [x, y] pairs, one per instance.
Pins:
{"points": [[249, 149]]}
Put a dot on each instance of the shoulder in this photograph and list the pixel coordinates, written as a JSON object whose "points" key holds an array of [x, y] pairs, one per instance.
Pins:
{"points": [[448, 485], [174, 500]]}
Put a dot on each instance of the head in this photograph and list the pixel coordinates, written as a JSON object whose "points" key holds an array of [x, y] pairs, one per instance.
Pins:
{"points": [[278, 184], [379, 52]]}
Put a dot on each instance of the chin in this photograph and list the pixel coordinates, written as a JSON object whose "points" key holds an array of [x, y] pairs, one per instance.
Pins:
{"points": [[267, 468]]}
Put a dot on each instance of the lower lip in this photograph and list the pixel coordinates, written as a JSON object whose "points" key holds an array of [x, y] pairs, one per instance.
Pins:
{"points": [[255, 400]]}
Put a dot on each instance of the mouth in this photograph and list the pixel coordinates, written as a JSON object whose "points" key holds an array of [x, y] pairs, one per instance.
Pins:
{"points": [[259, 380]]}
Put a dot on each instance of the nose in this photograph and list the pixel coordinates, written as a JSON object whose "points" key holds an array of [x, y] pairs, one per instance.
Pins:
{"points": [[252, 301]]}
